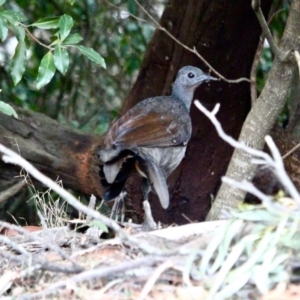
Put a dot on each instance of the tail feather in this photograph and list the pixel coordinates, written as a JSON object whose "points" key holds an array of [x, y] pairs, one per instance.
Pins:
{"points": [[158, 181], [114, 188], [111, 170]]}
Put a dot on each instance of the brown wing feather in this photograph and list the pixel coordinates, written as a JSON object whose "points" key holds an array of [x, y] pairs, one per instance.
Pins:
{"points": [[153, 129], [150, 130], [149, 124]]}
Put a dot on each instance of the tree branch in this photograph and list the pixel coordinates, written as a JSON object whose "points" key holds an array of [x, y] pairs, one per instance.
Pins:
{"points": [[267, 33], [261, 118]]}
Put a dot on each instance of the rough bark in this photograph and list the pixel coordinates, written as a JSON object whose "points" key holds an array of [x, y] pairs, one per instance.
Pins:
{"points": [[58, 151], [262, 117]]}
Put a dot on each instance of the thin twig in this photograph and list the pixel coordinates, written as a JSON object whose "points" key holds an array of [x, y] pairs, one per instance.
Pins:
{"points": [[154, 277], [35, 39], [44, 242], [231, 141], [39, 264], [93, 274], [14, 246], [12, 157], [280, 171], [262, 158], [291, 151], [54, 246], [253, 87], [192, 50], [248, 187], [297, 56], [267, 33]]}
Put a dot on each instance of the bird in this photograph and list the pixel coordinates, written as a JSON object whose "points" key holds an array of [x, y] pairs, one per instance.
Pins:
{"points": [[151, 139]]}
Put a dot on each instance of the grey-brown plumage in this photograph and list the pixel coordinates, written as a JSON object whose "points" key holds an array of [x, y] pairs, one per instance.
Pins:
{"points": [[151, 138]]}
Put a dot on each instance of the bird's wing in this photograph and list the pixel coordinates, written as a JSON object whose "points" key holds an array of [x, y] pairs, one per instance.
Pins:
{"points": [[152, 128]]}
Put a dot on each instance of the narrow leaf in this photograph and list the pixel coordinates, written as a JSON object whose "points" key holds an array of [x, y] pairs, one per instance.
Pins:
{"points": [[99, 225], [18, 62], [92, 55], [19, 31], [14, 17], [46, 70], [65, 24], [3, 28], [73, 39], [7, 109], [61, 59], [132, 7], [47, 23]]}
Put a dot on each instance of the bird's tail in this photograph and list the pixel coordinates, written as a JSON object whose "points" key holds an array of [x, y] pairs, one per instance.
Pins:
{"points": [[158, 182]]}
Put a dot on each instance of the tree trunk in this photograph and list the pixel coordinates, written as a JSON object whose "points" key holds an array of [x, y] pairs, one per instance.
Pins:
{"points": [[57, 151], [262, 117], [226, 33]]}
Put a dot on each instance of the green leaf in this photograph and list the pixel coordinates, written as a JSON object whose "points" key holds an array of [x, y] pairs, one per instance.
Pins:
{"points": [[7, 109], [92, 55], [14, 17], [47, 23], [18, 62], [3, 28], [46, 70], [65, 24], [132, 7], [99, 224], [61, 59], [2, 2], [19, 31], [72, 39]]}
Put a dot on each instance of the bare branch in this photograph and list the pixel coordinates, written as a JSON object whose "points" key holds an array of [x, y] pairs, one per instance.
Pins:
{"points": [[192, 50], [253, 88], [267, 33], [297, 56], [14, 246], [280, 171], [276, 162], [291, 151], [248, 187], [93, 274], [231, 141], [12, 157], [154, 277]]}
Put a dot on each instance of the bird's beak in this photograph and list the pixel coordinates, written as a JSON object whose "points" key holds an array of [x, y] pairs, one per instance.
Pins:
{"points": [[210, 78]]}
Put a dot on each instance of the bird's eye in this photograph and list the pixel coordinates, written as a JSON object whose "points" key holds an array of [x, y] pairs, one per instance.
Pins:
{"points": [[191, 75]]}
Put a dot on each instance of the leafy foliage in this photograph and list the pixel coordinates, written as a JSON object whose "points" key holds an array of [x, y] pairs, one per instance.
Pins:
{"points": [[7, 109], [254, 248], [80, 93], [56, 58]]}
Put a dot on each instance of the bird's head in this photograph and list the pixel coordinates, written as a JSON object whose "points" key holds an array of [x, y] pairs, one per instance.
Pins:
{"points": [[187, 80], [191, 77]]}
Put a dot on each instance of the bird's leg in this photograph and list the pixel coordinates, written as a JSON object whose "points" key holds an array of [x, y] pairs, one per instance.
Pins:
{"points": [[119, 205], [149, 223]]}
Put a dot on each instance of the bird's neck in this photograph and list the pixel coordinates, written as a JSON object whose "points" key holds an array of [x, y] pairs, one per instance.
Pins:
{"points": [[183, 94]]}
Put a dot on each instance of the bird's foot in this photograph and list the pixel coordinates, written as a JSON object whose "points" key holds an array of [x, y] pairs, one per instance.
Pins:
{"points": [[118, 209], [149, 224]]}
